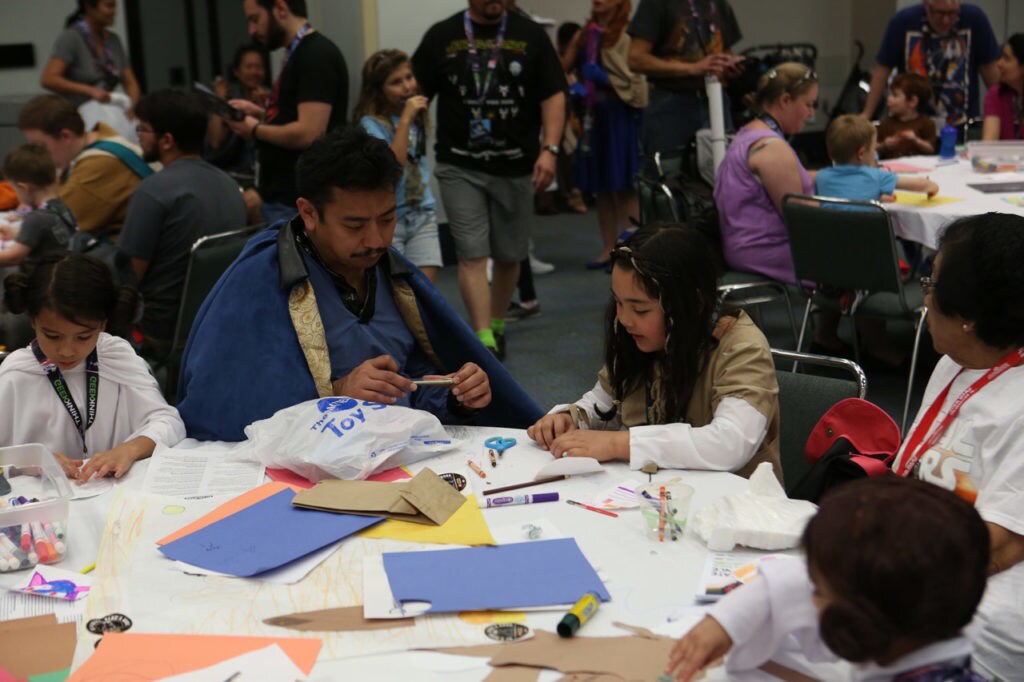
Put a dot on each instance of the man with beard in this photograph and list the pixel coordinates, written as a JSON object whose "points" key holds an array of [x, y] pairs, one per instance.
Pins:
{"points": [[322, 306], [170, 210], [948, 43], [309, 98], [500, 113]]}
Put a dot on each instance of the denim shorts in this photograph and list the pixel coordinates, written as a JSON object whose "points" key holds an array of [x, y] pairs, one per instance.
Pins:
{"points": [[416, 238]]}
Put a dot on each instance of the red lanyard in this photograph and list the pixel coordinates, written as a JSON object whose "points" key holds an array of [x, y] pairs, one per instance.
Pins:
{"points": [[914, 449]]}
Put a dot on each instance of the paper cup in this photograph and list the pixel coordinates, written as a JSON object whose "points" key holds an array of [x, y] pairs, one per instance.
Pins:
{"points": [[664, 522]]}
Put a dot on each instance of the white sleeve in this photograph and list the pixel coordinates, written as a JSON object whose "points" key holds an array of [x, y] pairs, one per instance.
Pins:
{"points": [[761, 615], [155, 419], [726, 444], [593, 400]]}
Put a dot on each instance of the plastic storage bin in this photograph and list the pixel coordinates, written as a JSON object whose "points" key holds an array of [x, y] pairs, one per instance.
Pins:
{"points": [[32, 532], [996, 157]]}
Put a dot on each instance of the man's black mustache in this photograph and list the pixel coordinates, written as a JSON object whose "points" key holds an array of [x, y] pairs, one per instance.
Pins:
{"points": [[369, 252]]}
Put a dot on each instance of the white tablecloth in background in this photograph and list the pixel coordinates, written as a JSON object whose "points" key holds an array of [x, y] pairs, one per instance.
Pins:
{"points": [[925, 225]]}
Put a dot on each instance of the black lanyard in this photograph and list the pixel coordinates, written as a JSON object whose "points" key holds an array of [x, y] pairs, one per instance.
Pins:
{"points": [[92, 385], [474, 57], [708, 21]]}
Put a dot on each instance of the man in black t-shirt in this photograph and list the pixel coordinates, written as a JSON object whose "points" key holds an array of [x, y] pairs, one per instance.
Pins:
{"points": [[500, 110], [676, 43], [310, 97]]}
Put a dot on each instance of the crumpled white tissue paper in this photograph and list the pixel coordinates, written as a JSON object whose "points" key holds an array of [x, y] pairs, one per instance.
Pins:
{"points": [[761, 517]]}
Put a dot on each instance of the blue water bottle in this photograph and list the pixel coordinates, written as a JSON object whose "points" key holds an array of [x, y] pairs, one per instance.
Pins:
{"points": [[947, 143]]}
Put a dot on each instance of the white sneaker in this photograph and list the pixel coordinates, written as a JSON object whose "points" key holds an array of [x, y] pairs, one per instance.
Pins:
{"points": [[539, 267]]}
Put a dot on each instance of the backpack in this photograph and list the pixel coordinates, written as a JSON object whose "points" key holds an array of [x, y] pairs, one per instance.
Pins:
{"points": [[117, 261], [854, 439]]}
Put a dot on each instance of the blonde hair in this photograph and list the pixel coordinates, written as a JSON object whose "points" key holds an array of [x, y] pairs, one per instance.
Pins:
{"points": [[846, 136], [789, 77]]}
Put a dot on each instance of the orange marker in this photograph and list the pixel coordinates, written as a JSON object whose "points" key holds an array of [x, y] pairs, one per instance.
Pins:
{"points": [[472, 465], [46, 551]]}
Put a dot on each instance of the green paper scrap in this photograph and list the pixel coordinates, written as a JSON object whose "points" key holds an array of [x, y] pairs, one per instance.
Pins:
{"points": [[55, 676]]}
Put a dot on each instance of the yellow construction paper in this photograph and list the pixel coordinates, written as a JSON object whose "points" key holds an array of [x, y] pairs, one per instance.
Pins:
{"points": [[465, 527], [920, 199]]}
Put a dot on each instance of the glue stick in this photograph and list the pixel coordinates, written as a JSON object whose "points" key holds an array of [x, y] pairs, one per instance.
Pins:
{"points": [[579, 614]]}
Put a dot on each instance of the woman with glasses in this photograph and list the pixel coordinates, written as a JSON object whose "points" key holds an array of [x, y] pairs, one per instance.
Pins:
{"points": [[968, 436], [760, 168]]}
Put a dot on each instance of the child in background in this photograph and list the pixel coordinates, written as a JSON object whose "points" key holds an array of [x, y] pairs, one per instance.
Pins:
{"points": [[907, 130], [48, 228], [850, 141], [391, 108], [80, 391], [893, 574], [685, 385]]}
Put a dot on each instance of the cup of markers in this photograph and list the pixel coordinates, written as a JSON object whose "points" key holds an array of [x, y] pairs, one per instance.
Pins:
{"points": [[35, 542], [664, 508], [33, 508]]}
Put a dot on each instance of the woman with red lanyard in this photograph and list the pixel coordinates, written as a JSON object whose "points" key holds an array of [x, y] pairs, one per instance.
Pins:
{"points": [[969, 433]]}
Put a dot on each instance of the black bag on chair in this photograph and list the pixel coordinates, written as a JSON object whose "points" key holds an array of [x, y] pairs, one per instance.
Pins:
{"points": [[116, 260]]}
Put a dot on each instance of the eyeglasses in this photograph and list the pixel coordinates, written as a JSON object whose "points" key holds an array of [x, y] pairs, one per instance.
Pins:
{"points": [[927, 285], [140, 128]]}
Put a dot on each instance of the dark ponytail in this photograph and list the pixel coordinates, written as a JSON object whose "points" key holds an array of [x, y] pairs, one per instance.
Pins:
{"points": [[79, 288], [79, 12]]}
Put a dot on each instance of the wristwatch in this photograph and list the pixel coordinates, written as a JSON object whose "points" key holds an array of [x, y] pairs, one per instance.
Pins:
{"points": [[553, 148]]}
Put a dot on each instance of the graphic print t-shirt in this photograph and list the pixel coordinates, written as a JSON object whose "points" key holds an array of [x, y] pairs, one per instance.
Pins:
{"points": [[498, 133], [685, 30], [950, 62]]}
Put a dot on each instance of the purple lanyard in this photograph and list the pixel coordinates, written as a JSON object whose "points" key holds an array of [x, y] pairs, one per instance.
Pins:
{"points": [[770, 121], [474, 57], [60, 387], [292, 46], [105, 62], [708, 22]]}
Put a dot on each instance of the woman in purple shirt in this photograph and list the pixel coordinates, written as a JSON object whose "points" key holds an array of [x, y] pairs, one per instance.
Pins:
{"points": [[1003, 102], [760, 168]]}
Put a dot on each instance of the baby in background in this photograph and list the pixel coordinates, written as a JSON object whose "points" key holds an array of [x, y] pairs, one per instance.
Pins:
{"points": [[907, 129], [851, 142]]}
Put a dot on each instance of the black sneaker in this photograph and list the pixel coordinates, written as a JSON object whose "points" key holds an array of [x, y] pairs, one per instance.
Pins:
{"points": [[517, 311], [499, 352]]}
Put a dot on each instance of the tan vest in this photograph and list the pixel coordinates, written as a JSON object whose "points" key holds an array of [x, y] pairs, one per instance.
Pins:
{"points": [[739, 367]]}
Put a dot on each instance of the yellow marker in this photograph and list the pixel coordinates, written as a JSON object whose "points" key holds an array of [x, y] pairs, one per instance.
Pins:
{"points": [[88, 568], [579, 614]]}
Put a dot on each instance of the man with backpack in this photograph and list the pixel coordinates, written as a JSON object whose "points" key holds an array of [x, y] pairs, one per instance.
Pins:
{"points": [[98, 169]]}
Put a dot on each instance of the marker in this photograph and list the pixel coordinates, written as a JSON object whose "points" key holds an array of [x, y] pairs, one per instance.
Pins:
{"points": [[16, 553], [494, 458], [580, 613], [47, 552], [444, 381], [480, 472], [508, 500], [593, 509], [7, 560], [88, 569], [51, 535]]}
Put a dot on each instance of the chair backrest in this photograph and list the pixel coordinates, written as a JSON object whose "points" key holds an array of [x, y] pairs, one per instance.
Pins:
{"points": [[844, 244], [804, 398], [210, 257]]}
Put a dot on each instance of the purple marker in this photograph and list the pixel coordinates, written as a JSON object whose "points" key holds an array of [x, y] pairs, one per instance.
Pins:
{"points": [[507, 500]]}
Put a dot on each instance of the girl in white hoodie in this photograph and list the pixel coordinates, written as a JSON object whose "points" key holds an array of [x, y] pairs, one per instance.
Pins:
{"points": [[83, 393]]}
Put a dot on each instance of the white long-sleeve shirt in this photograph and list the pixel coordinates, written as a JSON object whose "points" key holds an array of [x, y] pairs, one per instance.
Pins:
{"points": [[129, 403]]}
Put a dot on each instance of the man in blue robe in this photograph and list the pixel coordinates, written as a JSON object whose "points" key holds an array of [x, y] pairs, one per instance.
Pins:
{"points": [[321, 305]]}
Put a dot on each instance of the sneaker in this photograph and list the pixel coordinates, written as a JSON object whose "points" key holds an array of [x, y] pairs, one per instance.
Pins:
{"points": [[519, 311], [539, 267], [499, 352]]}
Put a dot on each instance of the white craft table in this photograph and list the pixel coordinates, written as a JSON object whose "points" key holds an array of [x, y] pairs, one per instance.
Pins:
{"points": [[648, 581]]}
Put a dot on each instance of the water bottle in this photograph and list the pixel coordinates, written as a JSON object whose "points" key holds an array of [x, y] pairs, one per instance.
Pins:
{"points": [[947, 143]]}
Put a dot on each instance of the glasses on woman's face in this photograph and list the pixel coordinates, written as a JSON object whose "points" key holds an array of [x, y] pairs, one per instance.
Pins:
{"points": [[927, 285], [141, 128]]}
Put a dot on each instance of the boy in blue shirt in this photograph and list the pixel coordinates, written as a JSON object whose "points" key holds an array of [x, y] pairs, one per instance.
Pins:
{"points": [[851, 142]]}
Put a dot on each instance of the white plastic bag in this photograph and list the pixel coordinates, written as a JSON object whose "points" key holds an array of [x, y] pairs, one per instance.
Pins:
{"points": [[342, 437], [112, 113], [761, 517]]}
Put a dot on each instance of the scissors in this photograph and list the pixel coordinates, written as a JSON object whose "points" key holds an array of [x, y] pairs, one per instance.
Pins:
{"points": [[499, 444]]}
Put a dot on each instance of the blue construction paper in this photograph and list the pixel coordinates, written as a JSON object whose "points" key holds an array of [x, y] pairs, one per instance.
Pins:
{"points": [[541, 573], [266, 535]]}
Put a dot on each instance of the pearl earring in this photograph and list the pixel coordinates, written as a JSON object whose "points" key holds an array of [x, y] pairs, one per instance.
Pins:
{"points": [[966, 327]]}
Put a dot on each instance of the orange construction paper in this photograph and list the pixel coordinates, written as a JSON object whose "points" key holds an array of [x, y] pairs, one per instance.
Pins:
{"points": [[128, 656], [233, 506]]}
